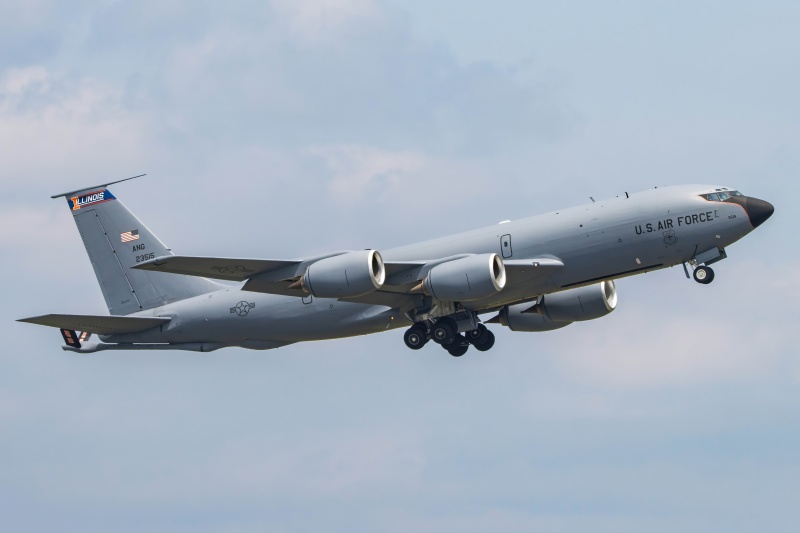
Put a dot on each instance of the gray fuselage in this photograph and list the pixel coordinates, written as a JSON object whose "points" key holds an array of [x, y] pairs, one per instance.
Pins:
{"points": [[607, 239]]}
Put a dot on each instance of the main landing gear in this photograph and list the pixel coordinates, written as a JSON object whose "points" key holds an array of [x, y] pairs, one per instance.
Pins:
{"points": [[445, 333], [416, 336]]}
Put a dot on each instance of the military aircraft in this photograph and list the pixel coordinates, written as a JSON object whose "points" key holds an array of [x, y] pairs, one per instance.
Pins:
{"points": [[531, 275]]}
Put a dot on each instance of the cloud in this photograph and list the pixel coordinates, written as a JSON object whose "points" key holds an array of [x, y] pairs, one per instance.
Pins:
{"points": [[659, 337], [31, 32], [356, 170], [285, 129], [328, 22], [302, 73], [54, 127], [360, 174]]}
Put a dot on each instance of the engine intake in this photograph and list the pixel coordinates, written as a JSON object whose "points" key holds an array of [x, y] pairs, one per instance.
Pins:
{"points": [[469, 278], [345, 276]]}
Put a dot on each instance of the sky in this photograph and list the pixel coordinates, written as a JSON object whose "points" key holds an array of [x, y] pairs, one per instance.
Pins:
{"points": [[283, 129]]}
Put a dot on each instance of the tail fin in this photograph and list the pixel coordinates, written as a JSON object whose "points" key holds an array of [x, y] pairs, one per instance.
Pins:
{"points": [[116, 240]]}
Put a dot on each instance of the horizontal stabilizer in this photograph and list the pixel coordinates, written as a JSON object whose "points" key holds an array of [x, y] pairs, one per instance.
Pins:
{"points": [[100, 186], [101, 325]]}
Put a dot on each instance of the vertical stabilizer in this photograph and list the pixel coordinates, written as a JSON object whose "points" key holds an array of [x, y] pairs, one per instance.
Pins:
{"points": [[116, 240]]}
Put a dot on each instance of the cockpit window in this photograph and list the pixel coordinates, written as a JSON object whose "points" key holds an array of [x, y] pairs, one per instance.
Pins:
{"points": [[720, 195]]}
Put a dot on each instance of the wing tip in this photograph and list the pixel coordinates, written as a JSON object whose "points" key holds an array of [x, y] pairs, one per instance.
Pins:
{"points": [[32, 319]]}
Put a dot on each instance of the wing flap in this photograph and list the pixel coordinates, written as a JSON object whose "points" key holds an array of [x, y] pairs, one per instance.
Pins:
{"points": [[98, 324]]}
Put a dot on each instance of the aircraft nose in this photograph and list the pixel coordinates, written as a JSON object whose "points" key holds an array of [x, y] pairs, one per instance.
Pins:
{"points": [[758, 210]]}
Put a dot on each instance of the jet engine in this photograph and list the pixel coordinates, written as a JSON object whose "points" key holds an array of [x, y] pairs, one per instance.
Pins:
{"points": [[554, 311], [515, 319], [345, 276], [469, 278]]}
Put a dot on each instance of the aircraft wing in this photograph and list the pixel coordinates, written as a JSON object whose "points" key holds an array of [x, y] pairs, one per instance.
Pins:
{"points": [[394, 293], [273, 276], [98, 324], [401, 277], [216, 267]]}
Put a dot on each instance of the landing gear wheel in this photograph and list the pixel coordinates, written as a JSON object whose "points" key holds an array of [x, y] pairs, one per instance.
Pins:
{"points": [[416, 337], [478, 336], [458, 347], [444, 331], [487, 344], [704, 275]]}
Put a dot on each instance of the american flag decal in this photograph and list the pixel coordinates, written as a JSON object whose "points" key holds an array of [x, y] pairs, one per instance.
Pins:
{"points": [[128, 236]]}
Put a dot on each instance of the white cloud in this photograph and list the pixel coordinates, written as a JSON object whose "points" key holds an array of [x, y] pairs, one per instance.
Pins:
{"points": [[665, 339], [54, 127], [328, 22], [405, 181], [278, 130], [358, 169], [25, 227], [15, 81]]}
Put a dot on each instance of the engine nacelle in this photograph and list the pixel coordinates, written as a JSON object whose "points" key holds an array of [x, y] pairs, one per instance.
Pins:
{"points": [[469, 278], [584, 303], [554, 311], [514, 318], [345, 276]]}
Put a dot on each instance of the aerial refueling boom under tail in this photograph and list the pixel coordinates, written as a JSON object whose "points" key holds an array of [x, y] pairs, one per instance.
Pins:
{"points": [[532, 275]]}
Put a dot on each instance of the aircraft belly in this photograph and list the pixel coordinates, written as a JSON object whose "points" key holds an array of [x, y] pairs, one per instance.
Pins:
{"points": [[234, 316], [326, 319]]}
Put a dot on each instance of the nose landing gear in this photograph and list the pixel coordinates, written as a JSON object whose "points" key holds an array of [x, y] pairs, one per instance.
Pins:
{"points": [[701, 264], [445, 333], [704, 275]]}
